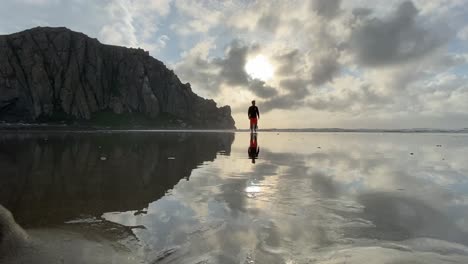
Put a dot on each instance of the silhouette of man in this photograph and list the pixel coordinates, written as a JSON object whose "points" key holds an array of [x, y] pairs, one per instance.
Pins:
{"points": [[254, 115], [254, 149]]}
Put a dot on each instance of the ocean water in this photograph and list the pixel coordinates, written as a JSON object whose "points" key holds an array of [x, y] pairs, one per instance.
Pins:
{"points": [[222, 197]]}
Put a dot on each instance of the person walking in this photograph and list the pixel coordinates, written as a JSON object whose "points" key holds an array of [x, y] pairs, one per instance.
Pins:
{"points": [[254, 115]]}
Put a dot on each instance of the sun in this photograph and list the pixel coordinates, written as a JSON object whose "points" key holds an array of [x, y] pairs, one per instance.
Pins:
{"points": [[259, 68]]}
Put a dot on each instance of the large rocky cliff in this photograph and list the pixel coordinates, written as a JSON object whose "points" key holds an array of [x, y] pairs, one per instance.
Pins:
{"points": [[55, 74]]}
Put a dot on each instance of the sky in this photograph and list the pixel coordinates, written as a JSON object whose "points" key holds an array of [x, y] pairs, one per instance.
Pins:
{"points": [[317, 63]]}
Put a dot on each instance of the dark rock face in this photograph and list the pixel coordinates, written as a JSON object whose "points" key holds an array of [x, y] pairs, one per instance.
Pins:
{"points": [[55, 73]]}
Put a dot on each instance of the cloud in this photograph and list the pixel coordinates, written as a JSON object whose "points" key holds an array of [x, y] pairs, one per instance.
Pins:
{"points": [[352, 99], [361, 12], [196, 68], [162, 41], [201, 73], [463, 33], [297, 88], [212, 74], [325, 69], [134, 24], [270, 18], [295, 70], [287, 63], [398, 38], [289, 102], [198, 16], [39, 2], [328, 8], [296, 91], [268, 22], [232, 65], [261, 89], [83, 16]]}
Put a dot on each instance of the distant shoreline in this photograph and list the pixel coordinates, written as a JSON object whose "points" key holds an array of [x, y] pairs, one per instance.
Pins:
{"points": [[68, 128]]}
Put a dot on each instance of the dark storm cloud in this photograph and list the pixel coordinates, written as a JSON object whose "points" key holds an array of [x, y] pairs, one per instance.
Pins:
{"points": [[268, 22], [232, 66], [361, 12], [261, 89], [297, 92], [288, 102], [287, 62], [326, 8], [297, 88], [396, 39], [326, 69]]}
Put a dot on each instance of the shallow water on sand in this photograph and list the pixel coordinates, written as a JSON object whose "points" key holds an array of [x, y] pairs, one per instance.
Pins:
{"points": [[158, 197]]}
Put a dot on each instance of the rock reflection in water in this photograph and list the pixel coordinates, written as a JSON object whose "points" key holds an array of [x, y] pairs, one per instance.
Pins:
{"points": [[51, 178]]}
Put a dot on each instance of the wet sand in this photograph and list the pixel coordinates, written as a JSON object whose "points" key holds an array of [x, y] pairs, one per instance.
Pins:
{"points": [[184, 197]]}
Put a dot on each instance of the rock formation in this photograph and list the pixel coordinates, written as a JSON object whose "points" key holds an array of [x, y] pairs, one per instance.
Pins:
{"points": [[55, 74]]}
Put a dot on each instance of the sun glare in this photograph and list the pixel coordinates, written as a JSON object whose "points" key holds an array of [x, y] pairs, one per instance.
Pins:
{"points": [[259, 68]]}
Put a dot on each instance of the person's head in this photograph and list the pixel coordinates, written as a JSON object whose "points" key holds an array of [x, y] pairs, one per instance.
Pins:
{"points": [[253, 102]]}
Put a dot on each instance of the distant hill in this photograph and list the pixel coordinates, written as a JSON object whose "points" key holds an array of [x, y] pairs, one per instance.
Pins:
{"points": [[55, 75]]}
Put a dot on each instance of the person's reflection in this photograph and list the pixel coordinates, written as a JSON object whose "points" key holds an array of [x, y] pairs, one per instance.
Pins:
{"points": [[254, 149]]}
